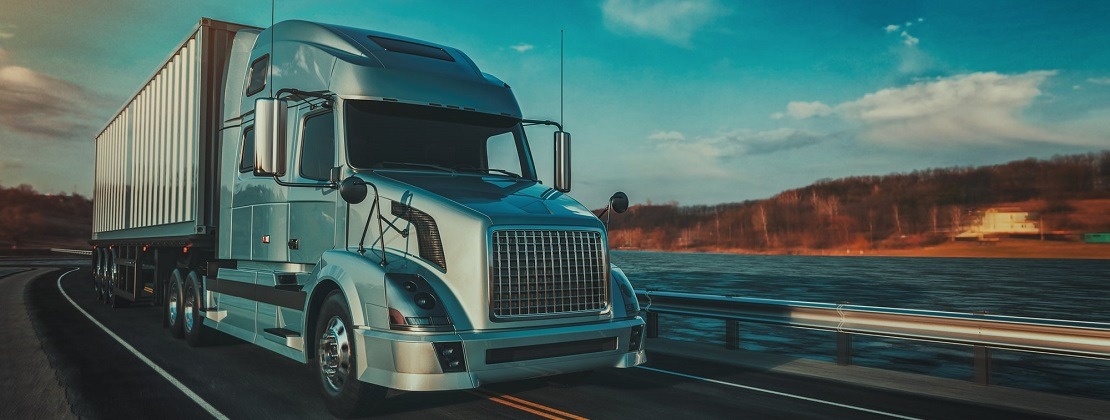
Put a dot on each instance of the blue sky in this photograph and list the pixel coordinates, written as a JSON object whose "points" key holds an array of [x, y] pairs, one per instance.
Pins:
{"points": [[698, 102]]}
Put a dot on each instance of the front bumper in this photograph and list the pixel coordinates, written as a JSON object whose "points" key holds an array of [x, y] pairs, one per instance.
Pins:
{"points": [[408, 361]]}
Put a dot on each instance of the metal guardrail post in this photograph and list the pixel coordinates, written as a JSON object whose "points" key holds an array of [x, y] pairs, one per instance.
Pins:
{"points": [[732, 334], [982, 364], [652, 325], [843, 349]]}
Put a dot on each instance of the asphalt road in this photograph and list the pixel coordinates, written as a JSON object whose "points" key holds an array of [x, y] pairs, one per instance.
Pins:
{"points": [[99, 378]]}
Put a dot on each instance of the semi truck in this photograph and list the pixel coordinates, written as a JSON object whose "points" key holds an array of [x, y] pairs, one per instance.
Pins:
{"points": [[361, 202]]}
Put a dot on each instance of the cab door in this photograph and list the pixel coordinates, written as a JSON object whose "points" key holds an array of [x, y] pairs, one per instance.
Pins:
{"points": [[311, 214]]}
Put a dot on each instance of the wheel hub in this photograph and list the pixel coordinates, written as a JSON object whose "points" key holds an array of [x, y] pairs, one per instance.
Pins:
{"points": [[335, 354], [172, 305], [190, 306]]}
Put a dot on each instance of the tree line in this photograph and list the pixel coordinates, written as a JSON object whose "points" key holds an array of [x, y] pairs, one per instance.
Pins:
{"points": [[29, 218], [896, 210]]}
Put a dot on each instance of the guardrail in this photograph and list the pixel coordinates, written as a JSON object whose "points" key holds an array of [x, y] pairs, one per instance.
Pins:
{"points": [[980, 330], [72, 251]]}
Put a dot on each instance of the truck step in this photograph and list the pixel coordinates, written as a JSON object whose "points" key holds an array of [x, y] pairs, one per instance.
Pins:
{"points": [[293, 339], [215, 315], [282, 332]]}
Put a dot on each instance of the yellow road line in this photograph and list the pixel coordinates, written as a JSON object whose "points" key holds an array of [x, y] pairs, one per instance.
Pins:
{"points": [[529, 406], [543, 407]]}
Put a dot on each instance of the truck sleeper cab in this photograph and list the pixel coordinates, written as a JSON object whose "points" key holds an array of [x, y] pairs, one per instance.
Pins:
{"points": [[373, 210]]}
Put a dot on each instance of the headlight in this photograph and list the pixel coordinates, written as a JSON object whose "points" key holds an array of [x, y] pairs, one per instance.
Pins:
{"points": [[413, 305]]}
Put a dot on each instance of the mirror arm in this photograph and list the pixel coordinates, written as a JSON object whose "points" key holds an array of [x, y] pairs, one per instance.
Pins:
{"points": [[304, 95], [381, 228], [329, 185], [542, 122]]}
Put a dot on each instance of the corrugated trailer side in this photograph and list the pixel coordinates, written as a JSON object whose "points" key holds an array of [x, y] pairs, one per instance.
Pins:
{"points": [[157, 175], [156, 188]]}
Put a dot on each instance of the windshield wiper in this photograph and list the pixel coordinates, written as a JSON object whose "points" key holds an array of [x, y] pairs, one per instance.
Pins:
{"points": [[488, 170], [418, 165]]}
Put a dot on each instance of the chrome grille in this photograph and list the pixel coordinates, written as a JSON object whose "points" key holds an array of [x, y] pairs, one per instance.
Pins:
{"points": [[547, 272]]}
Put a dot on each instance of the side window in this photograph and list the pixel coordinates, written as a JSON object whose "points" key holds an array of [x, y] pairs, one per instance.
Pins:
{"points": [[501, 153], [246, 162], [256, 80], [318, 146]]}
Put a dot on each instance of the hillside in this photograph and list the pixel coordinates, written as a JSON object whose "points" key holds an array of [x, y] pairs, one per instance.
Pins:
{"points": [[1063, 197], [29, 219]]}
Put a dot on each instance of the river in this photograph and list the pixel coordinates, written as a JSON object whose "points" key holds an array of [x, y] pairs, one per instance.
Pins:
{"points": [[1042, 288]]}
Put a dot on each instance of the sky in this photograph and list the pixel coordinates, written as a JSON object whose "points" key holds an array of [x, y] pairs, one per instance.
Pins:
{"points": [[690, 101]]}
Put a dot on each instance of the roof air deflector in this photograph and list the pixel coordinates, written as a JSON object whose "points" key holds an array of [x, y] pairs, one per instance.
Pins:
{"points": [[411, 48]]}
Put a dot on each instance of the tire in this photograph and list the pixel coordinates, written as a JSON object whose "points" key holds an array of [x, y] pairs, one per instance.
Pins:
{"points": [[192, 325], [110, 298], [336, 362], [172, 307]]}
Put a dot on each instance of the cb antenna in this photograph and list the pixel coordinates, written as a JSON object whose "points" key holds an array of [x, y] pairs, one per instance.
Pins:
{"points": [[271, 69], [561, 77]]}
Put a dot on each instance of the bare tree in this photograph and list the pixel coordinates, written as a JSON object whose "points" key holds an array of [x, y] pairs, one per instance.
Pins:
{"points": [[956, 216], [897, 220]]}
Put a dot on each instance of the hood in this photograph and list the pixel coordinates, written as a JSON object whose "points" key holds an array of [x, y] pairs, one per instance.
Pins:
{"points": [[504, 200]]}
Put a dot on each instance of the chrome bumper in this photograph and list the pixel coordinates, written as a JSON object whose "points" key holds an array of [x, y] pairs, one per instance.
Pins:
{"points": [[408, 361]]}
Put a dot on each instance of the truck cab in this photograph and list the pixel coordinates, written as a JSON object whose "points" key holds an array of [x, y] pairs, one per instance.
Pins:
{"points": [[380, 218]]}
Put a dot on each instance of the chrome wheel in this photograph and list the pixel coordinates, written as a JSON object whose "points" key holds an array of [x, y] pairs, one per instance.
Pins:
{"points": [[190, 306], [110, 282], [171, 303], [335, 354]]}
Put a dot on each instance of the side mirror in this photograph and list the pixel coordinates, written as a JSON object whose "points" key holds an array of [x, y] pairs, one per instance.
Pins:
{"points": [[619, 202], [270, 122], [353, 190], [562, 161]]}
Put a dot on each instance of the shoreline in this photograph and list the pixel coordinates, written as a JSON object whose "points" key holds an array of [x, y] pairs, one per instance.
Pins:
{"points": [[1010, 248]]}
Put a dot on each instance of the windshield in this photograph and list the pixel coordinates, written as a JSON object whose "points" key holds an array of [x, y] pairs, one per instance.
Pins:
{"points": [[390, 135]]}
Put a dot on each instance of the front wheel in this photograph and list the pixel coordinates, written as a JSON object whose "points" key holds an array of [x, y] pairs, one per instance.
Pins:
{"points": [[336, 353]]}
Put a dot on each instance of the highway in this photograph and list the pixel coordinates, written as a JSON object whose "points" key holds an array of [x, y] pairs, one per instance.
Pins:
{"points": [[63, 364]]}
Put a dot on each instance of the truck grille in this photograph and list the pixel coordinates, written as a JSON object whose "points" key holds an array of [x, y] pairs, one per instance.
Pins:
{"points": [[547, 273]]}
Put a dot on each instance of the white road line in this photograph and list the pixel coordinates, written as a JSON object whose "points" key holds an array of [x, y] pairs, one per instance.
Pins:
{"points": [[782, 394], [188, 392]]}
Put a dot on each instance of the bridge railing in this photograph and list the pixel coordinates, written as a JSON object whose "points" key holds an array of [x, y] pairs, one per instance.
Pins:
{"points": [[72, 251], [980, 330]]}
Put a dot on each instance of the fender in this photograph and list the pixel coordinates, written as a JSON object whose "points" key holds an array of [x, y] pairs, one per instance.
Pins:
{"points": [[625, 304], [362, 282]]}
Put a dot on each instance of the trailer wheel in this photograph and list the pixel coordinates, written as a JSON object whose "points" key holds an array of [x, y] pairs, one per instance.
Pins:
{"points": [[111, 298], [336, 356], [172, 307], [192, 319]]}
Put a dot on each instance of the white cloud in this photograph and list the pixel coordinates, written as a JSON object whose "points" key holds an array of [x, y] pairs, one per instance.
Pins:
{"points": [[738, 142], [976, 108], [38, 104], [674, 21], [667, 135], [909, 40], [522, 47], [969, 108], [10, 165], [891, 28], [803, 110], [1099, 80]]}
